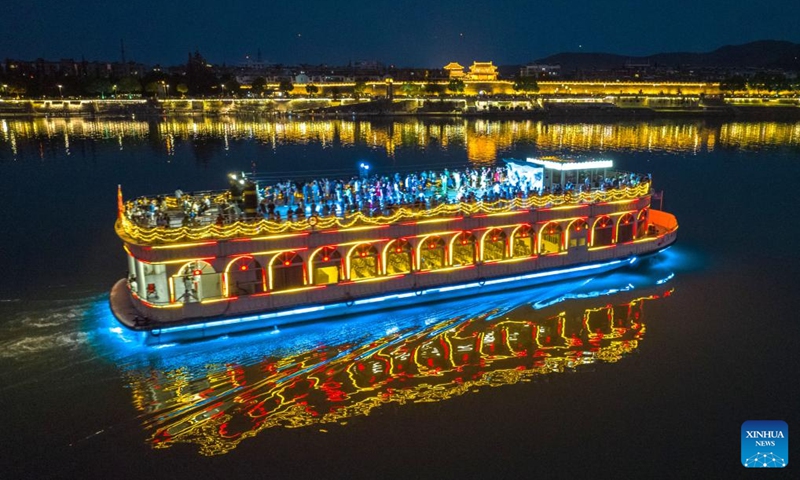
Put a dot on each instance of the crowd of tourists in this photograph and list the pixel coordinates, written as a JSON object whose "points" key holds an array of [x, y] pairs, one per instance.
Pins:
{"points": [[381, 195], [371, 195]]}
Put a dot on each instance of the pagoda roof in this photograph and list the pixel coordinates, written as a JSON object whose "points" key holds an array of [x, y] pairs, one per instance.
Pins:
{"points": [[453, 66]]}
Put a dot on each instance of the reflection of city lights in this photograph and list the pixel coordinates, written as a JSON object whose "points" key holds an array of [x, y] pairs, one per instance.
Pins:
{"points": [[482, 139]]}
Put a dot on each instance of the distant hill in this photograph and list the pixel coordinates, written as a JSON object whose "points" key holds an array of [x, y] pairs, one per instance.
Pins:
{"points": [[760, 54]]}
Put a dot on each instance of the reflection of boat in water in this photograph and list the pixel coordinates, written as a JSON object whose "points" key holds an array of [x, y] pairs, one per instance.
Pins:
{"points": [[476, 346], [530, 222]]}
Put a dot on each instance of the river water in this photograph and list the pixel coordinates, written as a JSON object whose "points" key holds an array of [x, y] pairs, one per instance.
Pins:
{"points": [[642, 373]]}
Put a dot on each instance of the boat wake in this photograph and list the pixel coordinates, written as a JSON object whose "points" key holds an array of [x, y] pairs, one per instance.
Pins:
{"points": [[44, 326], [30, 345]]}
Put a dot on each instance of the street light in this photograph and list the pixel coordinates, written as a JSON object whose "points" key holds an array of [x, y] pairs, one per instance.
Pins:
{"points": [[223, 89], [60, 94]]}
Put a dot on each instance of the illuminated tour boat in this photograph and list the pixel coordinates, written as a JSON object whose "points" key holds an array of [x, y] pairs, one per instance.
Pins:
{"points": [[263, 254]]}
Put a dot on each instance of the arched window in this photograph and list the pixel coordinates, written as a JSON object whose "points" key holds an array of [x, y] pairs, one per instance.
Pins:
{"points": [[244, 276], [195, 281], [287, 271], [641, 224], [523, 243], [494, 245], [326, 265], [625, 228], [363, 262], [576, 233], [431, 253], [603, 232], [397, 257], [551, 238], [463, 249]]}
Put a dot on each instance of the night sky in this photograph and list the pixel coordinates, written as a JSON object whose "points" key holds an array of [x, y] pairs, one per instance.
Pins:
{"points": [[403, 33]]}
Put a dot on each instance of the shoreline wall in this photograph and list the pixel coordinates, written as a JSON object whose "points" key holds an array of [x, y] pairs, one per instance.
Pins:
{"points": [[534, 106]]}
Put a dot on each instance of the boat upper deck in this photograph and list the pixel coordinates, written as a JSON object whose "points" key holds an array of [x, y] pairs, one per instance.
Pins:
{"points": [[254, 207]]}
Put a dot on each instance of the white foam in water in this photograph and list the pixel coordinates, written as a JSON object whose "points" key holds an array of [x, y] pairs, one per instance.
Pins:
{"points": [[37, 344], [58, 318], [36, 331]]}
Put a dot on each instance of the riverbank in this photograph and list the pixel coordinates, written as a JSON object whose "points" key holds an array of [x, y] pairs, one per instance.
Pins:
{"points": [[640, 107]]}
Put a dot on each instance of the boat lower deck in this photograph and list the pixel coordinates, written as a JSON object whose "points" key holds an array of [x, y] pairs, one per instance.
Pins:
{"points": [[198, 328]]}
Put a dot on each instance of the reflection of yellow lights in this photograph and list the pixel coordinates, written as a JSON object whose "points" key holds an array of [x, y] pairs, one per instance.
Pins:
{"points": [[333, 383]]}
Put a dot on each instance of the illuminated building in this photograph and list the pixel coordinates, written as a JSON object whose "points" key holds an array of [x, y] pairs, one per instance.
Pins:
{"points": [[196, 276], [482, 72], [454, 70]]}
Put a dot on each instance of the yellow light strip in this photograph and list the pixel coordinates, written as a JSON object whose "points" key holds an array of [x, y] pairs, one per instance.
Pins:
{"points": [[378, 279], [435, 220], [278, 237], [567, 207], [360, 242], [449, 269], [300, 289], [602, 247], [182, 245], [184, 260], [171, 283], [505, 214], [283, 250], [556, 220], [435, 234], [356, 229], [515, 259], [217, 300]]}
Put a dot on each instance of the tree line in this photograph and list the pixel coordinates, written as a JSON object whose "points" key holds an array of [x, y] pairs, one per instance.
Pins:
{"points": [[759, 82]]}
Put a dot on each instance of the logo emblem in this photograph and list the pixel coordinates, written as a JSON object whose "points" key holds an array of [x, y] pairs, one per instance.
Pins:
{"points": [[765, 444]]}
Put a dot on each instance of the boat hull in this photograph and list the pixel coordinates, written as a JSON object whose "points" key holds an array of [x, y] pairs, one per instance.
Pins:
{"points": [[123, 308]]}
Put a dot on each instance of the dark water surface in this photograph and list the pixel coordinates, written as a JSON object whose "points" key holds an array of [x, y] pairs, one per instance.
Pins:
{"points": [[646, 373]]}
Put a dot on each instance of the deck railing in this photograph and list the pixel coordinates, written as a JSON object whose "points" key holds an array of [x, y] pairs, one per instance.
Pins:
{"points": [[206, 228]]}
